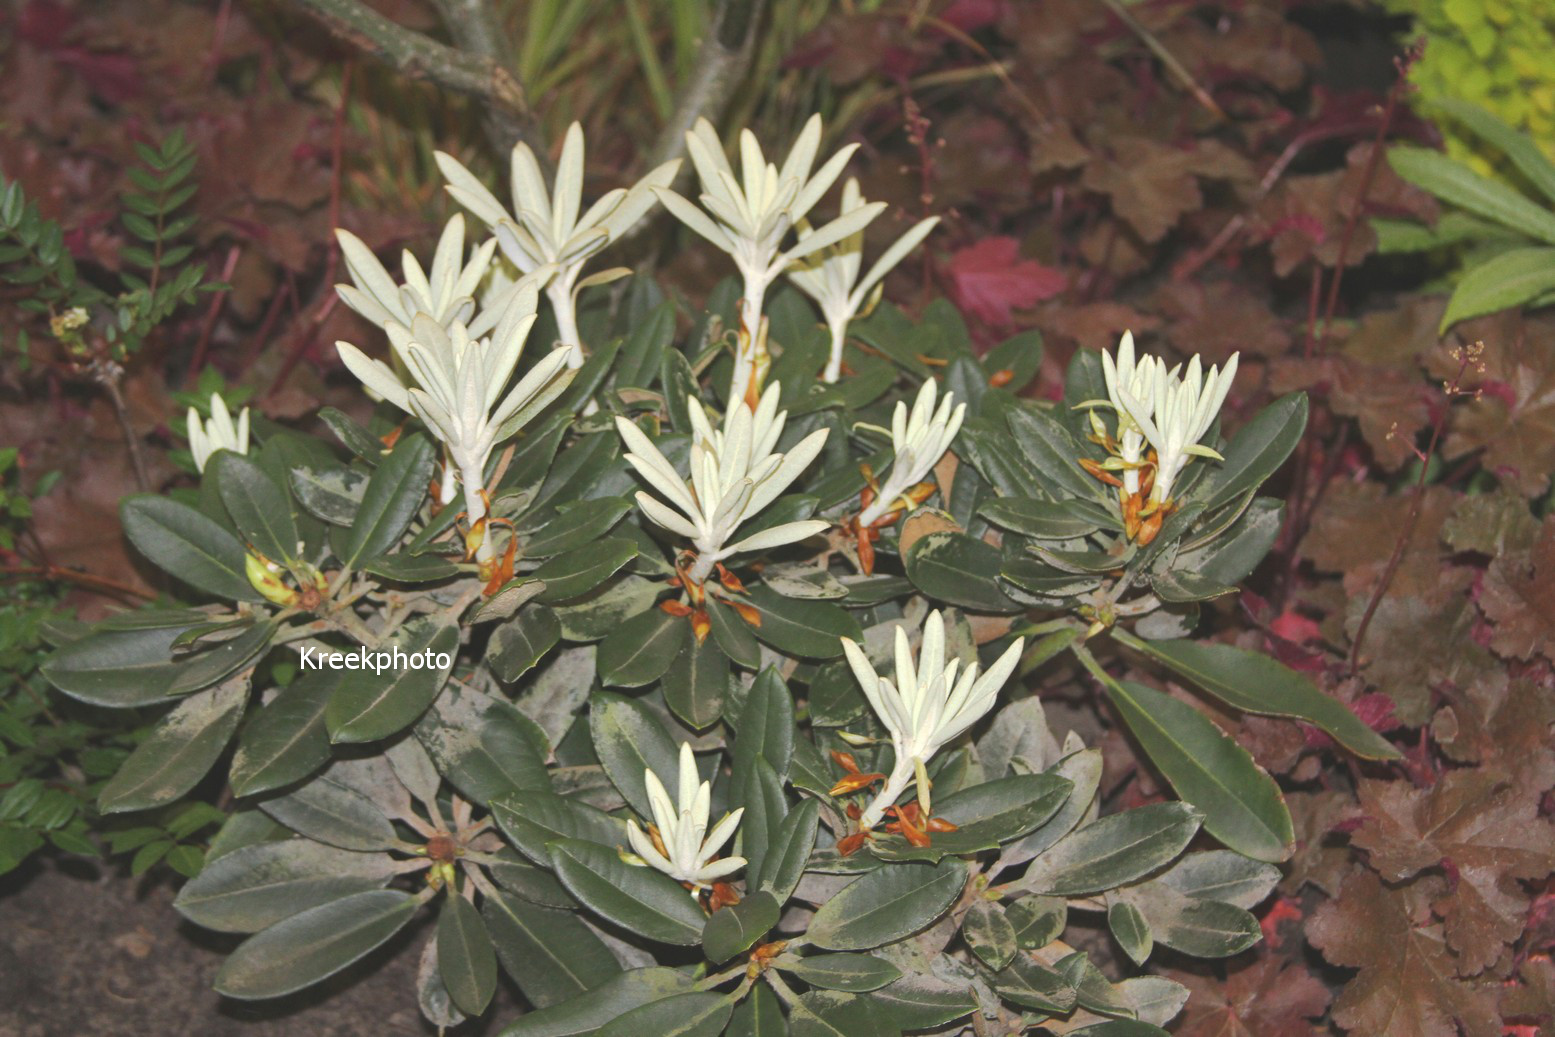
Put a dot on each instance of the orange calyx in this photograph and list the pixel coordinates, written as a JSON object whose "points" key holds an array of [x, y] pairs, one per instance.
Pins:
{"points": [[1099, 472], [679, 609], [722, 895], [848, 845], [999, 379], [701, 624], [855, 782]]}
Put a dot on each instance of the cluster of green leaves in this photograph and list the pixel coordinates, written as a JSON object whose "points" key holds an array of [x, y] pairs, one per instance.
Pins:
{"points": [[498, 788], [1506, 235], [158, 278]]}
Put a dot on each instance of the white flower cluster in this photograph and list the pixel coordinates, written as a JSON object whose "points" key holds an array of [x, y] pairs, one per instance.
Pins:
{"points": [[682, 828], [1170, 410], [831, 276], [217, 433], [919, 441], [929, 704], [736, 471], [752, 214], [544, 228]]}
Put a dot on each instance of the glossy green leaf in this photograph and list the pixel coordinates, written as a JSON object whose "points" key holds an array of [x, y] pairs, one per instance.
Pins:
{"points": [[1049, 449], [184, 542], [522, 641], [332, 493], [1037, 920], [307, 947], [575, 525], [1256, 683], [1042, 520], [765, 726], [1242, 805], [733, 634], [1453, 181], [697, 681], [811, 629], [330, 812], [533, 819], [759, 1015], [736, 928], [1202, 928], [118, 667], [586, 1013], [788, 852], [465, 957], [989, 934], [253, 887], [642, 900], [639, 651], [409, 568], [550, 954], [958, 569], [1222, 875], [1256, 452], [482, 744], [887, 904], [629, 739], [1131, 930], [1511, 279], [1113, 850], [858, 973], [369, 705], [1031, 984], [260, 508], [576, 572], [392, 498], [179, 751], [696, 1014]]}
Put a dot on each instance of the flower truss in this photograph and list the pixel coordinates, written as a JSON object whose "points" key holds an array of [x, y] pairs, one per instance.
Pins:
{"points": [[831, 276], [919, 440], [930, 704], [446, 293], [544, 228], [218, 433], [752, 214], [455, 384], [1167, 410], [735, 473], [678, 842]]}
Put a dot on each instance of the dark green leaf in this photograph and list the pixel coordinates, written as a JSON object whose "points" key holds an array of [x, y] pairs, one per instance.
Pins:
{"points": [[788, 852], [858, 973], [576, 525], [179, 750], [187, 544], [639, 651], [812, 629], [483, 745], [307, 947], [253, 887], [328, 811], [759, 1015], [1131, 930], [1037, 921], [465, 956], [697, 681], [733, 634], [409, 568], [1031, 984], [580, 570], [1242, 805], [1043, 520], [586, 1013], [392, 498], [1113, 850], [989, 934], [642, 900], [887, 904], [533, 819], [259, 507], [733, 929], [370, 705], [1256, 451], [551, 955], [629, 739], [959, 569], [518, 644], [333, 494], [766, 725], [697, 1014]]}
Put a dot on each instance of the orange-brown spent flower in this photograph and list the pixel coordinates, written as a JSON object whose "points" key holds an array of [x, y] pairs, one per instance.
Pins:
{"points": [[845, 761], [442, 848], [1099, 472], [999, 379], [848, 845], [853, 782], [701, 625], [722, 895], [1150, 527], [746, 612], [729, 580], [678, 609]]}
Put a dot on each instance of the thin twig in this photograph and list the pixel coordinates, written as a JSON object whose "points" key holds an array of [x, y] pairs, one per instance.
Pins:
{"points": [[102, 584], [477, 31], [197, 358], [1469, 357], [725, 51], [421, 57], [108, 374]]}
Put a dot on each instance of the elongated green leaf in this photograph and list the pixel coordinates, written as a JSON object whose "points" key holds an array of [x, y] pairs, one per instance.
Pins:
{"points": [[1131, 930], [730, 930], [760, 794], [522, 641], [1519, 147], [328, 811], [533, 819], [1043, 520], [765, 725], [1113, 850], [919, 1001], [253, 887], [642, 900], [582, 569], [586, 1013], [1202, 928], [409, 568], [788, 852], [1255, 452], [985, 815], [1120, 1028], [698, 1014], [1256, 683], [206, 667], [187, 544], [179, 751], [958, 569], [759, 1015], [333, 493], [1222, 875], [392, 498], [287, 738], [629, 739], [483, 745], [1242, 805], [1514, 278], [551, 955], [464, 955], [808, 628], [639, 651], [887, 904], [575, 525], [858, 973], [1030, 983], [733, 634], [697, 682], [260, 508], [307, 947], [1049, 449], [1452, 181], [1037, 921], [118, 667], [1083, 769], [369, 705], [989, 934]]}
